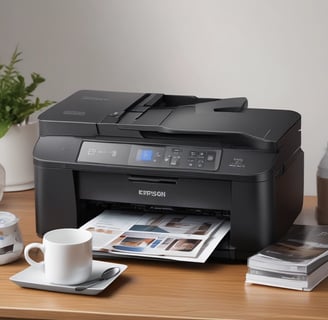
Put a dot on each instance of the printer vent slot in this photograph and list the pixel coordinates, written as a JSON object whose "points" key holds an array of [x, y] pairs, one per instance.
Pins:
{"points": [[222, 139], [183, 138], [224, 214], [152, 180], [91, 208]]}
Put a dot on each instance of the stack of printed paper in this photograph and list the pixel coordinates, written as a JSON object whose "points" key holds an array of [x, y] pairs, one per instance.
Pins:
{"points": [[154, 235]]}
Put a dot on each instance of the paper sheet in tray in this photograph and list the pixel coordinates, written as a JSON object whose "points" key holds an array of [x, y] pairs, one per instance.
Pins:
{"points": [[155, 235]]}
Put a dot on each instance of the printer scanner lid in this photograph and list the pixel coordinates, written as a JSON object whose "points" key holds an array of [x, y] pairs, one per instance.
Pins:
{"points": [[91, 113]]}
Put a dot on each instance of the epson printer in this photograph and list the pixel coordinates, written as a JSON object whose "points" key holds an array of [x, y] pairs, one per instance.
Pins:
{"points": [[155, 152]]}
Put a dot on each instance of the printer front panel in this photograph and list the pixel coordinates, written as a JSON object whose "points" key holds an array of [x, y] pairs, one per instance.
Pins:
{"points": [[157, 191], [170, 176], [68, 198]]}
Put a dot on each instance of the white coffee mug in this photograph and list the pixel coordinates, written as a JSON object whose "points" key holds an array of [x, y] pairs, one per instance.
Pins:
{"points": [[67, 256]]}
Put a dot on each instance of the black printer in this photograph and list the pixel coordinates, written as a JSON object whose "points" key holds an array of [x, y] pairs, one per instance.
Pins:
{"points": [[156, 152]]}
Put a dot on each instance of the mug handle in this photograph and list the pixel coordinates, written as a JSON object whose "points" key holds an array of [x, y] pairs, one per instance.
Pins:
{"points": [[27, 249]]}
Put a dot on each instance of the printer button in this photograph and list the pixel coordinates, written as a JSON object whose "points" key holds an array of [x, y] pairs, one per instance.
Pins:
{"points": [[191, 162], [210, 156], [176, 151], [200, 163], [167, 158], [174, 161]]}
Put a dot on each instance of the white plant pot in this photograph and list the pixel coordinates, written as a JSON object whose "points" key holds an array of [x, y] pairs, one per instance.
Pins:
{"points": [[16, 156]]}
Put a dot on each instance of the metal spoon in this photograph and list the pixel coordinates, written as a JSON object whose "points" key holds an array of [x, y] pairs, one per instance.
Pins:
{"points": [[107, 274]]}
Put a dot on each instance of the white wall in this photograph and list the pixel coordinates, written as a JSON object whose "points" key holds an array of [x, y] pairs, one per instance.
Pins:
{"points": [[274, 52]]}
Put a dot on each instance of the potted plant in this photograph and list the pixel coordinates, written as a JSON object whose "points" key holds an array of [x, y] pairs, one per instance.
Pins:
{"points": [[17, 134]]}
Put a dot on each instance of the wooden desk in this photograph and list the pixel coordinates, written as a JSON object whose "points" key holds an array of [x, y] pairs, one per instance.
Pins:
{"points": [[154, 290]]}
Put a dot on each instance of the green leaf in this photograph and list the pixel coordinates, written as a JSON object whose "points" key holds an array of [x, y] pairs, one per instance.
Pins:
{"points": [[4, 127], [16, 97]]}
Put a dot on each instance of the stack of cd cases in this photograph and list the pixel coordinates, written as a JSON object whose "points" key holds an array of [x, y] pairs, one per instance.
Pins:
{"points": [[298, 261]]}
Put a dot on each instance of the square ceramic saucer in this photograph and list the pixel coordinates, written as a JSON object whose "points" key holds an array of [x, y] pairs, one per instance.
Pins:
{"points": [[33, 277]]}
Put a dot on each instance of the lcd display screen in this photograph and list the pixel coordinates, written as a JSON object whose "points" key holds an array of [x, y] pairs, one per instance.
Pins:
{"points": [[144, 155]]}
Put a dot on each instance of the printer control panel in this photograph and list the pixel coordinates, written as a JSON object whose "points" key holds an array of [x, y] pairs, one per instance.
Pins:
{"points": [[177, 156]]}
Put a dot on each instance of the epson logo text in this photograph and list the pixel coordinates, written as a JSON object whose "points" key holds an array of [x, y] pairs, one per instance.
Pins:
{"points": [[152, 193]]}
